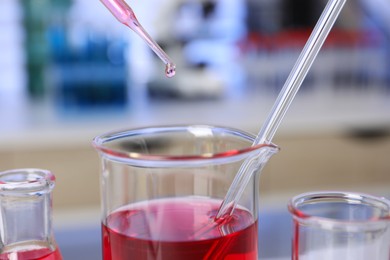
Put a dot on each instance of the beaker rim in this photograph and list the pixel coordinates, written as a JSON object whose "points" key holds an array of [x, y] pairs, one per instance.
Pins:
{"points": [[350, 198], [26, 181], [150, 159]]}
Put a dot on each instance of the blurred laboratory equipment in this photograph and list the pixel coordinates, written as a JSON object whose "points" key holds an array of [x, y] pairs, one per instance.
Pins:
{"points": [[162, 186], [335, 225], [13, 76], [378, 11], [203, 36], [223, 48], [37, 52], [353, 59], [88, 70], [26, 215]]}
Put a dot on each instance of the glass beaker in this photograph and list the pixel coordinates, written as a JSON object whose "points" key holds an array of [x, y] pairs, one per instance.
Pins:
{"points": [[26, 215], [340, 225], [162, 187]]}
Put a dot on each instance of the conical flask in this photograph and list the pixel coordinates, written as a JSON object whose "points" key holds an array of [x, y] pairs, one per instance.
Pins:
{"points": [[26, 215]]}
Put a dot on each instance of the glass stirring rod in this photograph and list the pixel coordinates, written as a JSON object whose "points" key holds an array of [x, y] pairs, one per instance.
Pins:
{"points": [[125, 15], [282, 103]]}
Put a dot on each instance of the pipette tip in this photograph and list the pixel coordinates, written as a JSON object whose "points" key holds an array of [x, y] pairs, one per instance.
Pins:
{"points": [[170, 70]]}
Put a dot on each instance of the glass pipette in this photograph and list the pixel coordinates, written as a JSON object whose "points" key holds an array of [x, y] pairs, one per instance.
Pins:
{"points": [[282, 103], [125, 15]]}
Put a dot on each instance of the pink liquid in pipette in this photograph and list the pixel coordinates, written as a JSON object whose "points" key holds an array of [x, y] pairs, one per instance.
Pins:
{"points": [[125, 15]]}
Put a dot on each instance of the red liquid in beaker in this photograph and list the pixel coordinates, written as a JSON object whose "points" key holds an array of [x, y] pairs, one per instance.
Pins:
{"points": [[178, 229], [36, 254]]}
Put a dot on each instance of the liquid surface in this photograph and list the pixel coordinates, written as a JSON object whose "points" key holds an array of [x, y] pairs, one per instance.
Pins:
{"points": [[38, 254], [179, 229]]}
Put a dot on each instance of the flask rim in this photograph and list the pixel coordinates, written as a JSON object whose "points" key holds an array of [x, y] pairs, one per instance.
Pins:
{"points": [[149, 159], [296, 208], [26, 181]]}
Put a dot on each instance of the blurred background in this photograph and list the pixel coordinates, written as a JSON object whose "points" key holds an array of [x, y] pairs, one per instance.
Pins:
{"points": [[70, 71]]}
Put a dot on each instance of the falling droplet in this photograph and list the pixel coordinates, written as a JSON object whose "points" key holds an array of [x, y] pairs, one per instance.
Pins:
{"points": [[170, 70]]}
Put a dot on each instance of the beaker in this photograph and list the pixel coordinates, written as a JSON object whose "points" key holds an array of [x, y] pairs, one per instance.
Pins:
{"points": [[161, 188], [335, 225], [26, 215]]}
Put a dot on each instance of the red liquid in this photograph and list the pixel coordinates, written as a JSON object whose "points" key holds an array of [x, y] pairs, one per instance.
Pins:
{"points": [[178, 229], [37, 254]]}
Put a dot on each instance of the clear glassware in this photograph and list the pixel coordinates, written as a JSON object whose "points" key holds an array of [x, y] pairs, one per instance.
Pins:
{"points": [[26, 215], [334, 225], [162, 187]]}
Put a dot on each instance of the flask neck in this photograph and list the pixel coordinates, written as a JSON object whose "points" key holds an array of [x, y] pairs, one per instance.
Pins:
{"points": [[25, 216]]}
